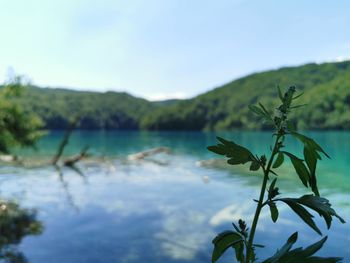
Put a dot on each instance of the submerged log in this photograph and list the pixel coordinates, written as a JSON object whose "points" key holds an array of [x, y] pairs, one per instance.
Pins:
{"points": [[7, 158], [65, 141], [144, 154], [72, 160]]}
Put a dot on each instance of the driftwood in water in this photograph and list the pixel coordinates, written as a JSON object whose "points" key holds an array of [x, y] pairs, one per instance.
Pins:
{"points": [[144, 154], [8, 158], [65, 141], [72, 160]]}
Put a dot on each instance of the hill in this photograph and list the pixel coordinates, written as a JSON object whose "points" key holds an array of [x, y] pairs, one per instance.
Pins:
{"points": [[326, 90], [109, 110]]}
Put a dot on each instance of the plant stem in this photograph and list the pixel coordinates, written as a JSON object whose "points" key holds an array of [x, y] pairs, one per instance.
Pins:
{"points": [[261, 200]]}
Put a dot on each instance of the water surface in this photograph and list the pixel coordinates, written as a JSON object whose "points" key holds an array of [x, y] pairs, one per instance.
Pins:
{"points": [[166, 208]]}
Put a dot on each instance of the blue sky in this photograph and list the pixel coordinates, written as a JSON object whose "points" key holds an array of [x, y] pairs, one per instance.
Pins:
{"points": [[165, 48]]}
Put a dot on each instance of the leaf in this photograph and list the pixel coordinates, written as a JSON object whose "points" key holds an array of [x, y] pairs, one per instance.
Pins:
{"points": [[237, 154], [272, 185], [311, 154], [300, 255], [312, 249], [280, 94], [288, 97], [281, 252], [318, 204], [322, 206], [320, 260], [218, 149], [298, 106], [274, 211], [279, 160], [299, 95], [301, 212], [262, 112], [265, 110], [290, 126], [239, 250], [311, 157], [258, 245], [254, 166], [309, 142], [257, 110], [271, 171], [223, 241], [300, 168]]}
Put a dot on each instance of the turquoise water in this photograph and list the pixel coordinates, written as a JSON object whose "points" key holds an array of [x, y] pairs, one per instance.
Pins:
{"points": [[166, 208]]}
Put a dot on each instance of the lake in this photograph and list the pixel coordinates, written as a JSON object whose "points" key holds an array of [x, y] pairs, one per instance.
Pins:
{"points": [[166, 208]]}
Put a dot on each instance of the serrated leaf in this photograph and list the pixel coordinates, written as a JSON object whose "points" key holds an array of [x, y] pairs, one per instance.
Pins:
{"points": [[311, 154], [322, 206], [300, 168], [282, 251], [311, 143], [318, 204], [300, 255], [312, 249], [223, 241], [239, 251], [218, 149], [279, 160], [301, 212], [273, 211], [237, 154]]}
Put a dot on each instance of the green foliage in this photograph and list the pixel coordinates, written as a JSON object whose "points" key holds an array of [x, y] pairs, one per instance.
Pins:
{"points": [[325, 87], [243, 240], [316, 203], [298, 255], [109, 110], [15, 224], [236, 153], [326, 91], [226, 240], [17, 127]]}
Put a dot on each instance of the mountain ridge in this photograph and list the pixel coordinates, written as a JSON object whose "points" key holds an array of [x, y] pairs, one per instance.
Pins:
{"points": [[326, 90]]}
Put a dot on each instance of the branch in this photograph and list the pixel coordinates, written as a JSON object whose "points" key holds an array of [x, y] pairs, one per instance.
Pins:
{"points": [[65, 141]]}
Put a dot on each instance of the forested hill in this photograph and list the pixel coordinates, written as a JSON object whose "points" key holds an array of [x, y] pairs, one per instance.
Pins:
{"points": [[109, 110], [326, 90]]}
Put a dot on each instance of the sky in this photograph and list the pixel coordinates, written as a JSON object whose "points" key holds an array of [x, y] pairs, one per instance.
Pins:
{"points": [[161, 49]]}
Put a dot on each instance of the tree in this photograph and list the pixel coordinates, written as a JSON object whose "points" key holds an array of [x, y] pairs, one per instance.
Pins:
{"points": [[17, 127]]}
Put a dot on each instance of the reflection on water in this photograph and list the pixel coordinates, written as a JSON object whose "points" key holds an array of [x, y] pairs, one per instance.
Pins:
{"points": [[162, 209], [15, 224]]}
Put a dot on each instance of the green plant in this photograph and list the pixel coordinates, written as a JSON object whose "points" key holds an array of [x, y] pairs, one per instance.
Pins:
{"points": [[242, 239], [17, 127]]}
